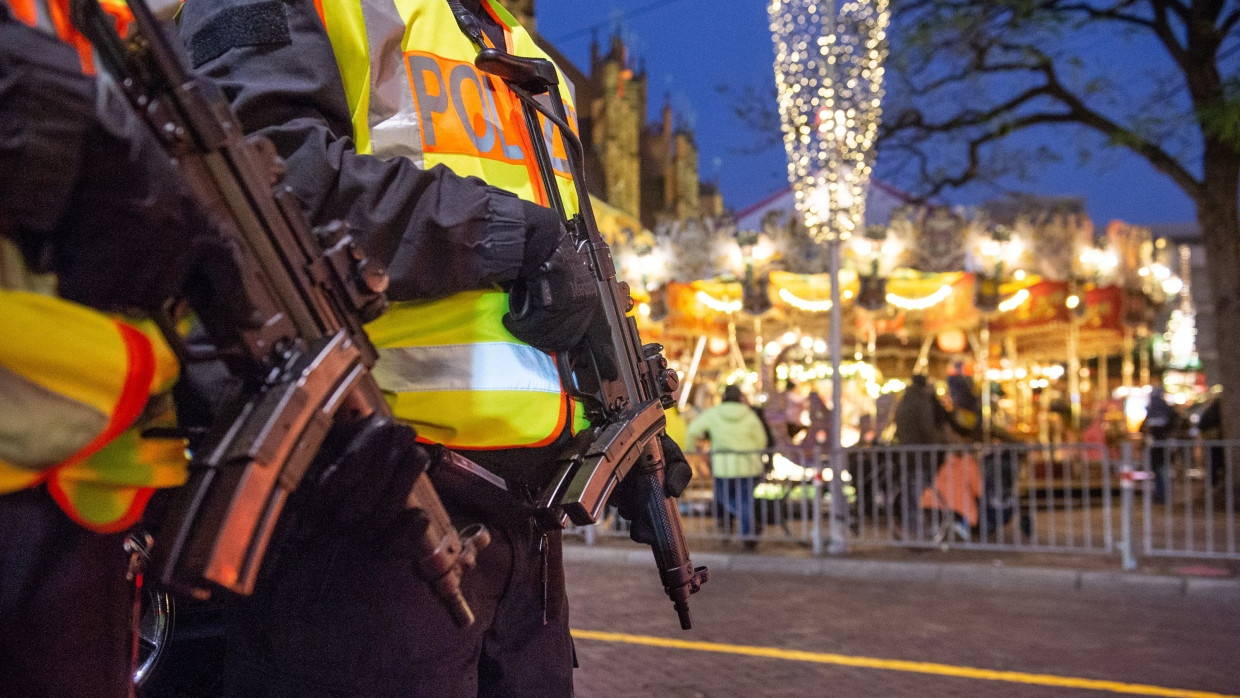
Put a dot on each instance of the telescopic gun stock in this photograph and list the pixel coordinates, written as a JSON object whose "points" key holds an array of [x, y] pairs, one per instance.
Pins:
{"points": [[297, 340], [625, 391]]}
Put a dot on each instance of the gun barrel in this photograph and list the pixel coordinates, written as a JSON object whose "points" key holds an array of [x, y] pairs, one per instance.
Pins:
{"points": [[446, 555]]}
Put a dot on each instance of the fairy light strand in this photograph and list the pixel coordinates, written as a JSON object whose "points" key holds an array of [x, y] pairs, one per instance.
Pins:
{"points": [[719, 306], [923, 303], [803, 304]]}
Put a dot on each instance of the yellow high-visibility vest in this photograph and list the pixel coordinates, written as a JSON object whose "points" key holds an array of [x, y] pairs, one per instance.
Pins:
{"points": [[449, 366], [74, 385]]}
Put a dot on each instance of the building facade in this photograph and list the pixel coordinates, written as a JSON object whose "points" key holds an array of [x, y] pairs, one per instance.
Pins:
{"points": [[645, 170]]}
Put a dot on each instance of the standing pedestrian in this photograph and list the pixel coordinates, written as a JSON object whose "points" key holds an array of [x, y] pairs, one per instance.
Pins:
{"points": [[820, 425], [795, 405], [737, 439], [921, 421], [1159, 424]]}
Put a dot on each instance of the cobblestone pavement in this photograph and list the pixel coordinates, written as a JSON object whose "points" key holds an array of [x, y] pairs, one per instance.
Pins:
{"points": [[1136, 635]]}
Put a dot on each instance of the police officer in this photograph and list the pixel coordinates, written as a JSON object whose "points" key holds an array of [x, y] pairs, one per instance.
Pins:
{"points": [[86, 195], [385, 122]]}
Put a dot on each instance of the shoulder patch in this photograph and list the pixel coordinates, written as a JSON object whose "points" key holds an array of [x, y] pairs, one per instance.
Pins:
{"points": [[254, 24]]}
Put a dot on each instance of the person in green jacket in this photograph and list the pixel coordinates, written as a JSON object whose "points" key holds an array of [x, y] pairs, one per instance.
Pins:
{"points": [[737, 439]]}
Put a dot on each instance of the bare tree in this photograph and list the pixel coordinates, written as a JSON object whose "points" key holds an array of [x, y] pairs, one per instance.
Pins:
{"points": [[969, 75]]}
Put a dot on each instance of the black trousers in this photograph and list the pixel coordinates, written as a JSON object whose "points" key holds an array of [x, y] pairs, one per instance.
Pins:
{"points": [[335, 617], [66, 609]]}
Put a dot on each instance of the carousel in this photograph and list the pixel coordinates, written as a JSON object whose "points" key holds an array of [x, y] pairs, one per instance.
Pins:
{"points": [[1044, 324]]}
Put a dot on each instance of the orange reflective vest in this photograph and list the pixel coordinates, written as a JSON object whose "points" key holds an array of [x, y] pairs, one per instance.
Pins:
{"points": [[449, 366]]}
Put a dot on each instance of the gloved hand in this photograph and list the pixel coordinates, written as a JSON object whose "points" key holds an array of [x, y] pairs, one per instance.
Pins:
{"points": [[555, 296], [133, 232], [632, 496], [362, 480], [676, 469]]}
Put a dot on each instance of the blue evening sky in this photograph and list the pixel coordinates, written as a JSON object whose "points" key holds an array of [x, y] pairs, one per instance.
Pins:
{"points": [[692, 46]]}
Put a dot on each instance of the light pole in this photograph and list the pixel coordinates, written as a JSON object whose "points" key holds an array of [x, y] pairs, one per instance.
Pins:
{"points": [[829, 72]]}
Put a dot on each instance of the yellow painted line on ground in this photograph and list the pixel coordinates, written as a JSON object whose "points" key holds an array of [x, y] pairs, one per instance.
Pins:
{"points": [[964, 672]]}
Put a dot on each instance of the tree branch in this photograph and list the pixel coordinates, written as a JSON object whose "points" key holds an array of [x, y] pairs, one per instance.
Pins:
{"points": [[1159, 24], [966, 72], [1159, 158], [970, 172], [1094, 13], [1162, 29], [1228, 24], [1184, 11], [1077, 111], [914, 119]]}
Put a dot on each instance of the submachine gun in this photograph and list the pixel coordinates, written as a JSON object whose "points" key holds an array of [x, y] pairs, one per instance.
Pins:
{"points": [[299, 346], [623, 384]]}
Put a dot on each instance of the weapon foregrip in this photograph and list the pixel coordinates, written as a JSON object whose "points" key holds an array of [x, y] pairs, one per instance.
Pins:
{"points": [[671, 552]]}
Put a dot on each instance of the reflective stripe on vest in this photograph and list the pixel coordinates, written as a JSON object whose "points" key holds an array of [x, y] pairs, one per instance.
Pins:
{"points": [[449, 366], [452, 370], [418, 369], [72, 383]]}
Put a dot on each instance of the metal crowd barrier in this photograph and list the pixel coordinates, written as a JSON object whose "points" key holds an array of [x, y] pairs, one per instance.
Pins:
{"points": [[1170, 498], [1188, 499]]}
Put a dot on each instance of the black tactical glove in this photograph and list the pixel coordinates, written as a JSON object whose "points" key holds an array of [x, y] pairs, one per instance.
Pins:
{"points": [[362, 480], [676, 469], [555, 296], [632, 496]]}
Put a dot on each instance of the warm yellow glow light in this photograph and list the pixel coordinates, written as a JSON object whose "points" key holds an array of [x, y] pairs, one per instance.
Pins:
{"points": [[1014, 301], [719, 306], [829, 74], [920, 303], [802, 304]]}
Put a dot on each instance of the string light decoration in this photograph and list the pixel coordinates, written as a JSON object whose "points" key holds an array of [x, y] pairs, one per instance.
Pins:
{"points": [[923, 303], [719, 306], [829, 72], [1181, 334], [803, 304], [1014, 301]]}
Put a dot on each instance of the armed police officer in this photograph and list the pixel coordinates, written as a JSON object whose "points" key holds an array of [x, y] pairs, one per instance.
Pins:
{"points": [[92, 213], [386, 123]]}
